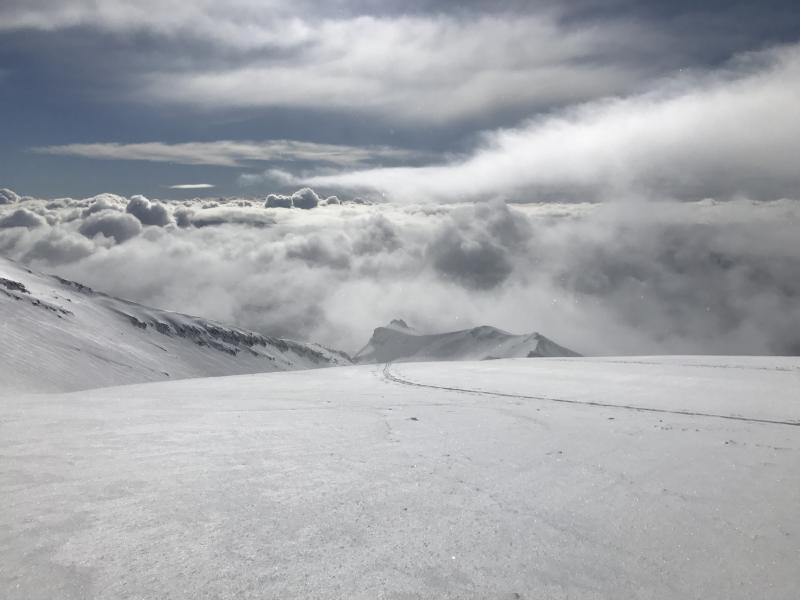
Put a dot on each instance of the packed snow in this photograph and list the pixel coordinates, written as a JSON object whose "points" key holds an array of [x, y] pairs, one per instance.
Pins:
{"points": [[57, 335], [549, 478], [399, 342]]}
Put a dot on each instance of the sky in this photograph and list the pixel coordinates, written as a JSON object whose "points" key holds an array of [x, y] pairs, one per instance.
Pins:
{"points": [[260, 96], [620, 176]]}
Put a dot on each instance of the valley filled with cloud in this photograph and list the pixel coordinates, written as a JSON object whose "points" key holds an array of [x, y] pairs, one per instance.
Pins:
{"points": [[603, 278], [618, 175]]}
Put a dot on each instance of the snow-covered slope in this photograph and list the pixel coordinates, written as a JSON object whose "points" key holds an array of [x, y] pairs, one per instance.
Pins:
{"points": [[554, 478], [57, 335], [398, 342]]}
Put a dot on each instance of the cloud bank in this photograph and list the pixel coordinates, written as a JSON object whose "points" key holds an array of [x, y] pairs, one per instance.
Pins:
{"points": [[662, 277], [734, 131]]}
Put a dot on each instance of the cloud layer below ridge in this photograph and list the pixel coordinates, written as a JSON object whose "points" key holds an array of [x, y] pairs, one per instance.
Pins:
{"points": [[665, 277]]}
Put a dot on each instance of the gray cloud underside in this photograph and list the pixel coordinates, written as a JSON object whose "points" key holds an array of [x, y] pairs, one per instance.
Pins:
{"points": [[659, 277], [434, 67]]}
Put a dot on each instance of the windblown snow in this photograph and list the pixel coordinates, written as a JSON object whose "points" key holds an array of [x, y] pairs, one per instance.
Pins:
{"points": [[59, 335], [399, 342], [552, 478]]}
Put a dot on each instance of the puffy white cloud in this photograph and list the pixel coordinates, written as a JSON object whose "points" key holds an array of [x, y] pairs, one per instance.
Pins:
{"points": [[148, 213], [111, 224], [305, 198], [58, 247], [278, 201], [8, 196], [22, 217], [103, 202]]}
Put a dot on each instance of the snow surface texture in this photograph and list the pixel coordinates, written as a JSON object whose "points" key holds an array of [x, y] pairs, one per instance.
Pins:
{"points": [[399, 342], [579, 478], [57, 335]]}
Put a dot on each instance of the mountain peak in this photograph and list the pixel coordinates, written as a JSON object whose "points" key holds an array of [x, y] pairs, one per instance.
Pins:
{"points": [[398, 342]]}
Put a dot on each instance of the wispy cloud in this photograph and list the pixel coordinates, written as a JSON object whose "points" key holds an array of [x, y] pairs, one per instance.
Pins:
{"points": [[228, 153], [191, 186]]}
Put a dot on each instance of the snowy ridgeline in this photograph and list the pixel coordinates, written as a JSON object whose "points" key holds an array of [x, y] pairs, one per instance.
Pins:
{"points": [[57, 335], [583, 479], [399, 342]]}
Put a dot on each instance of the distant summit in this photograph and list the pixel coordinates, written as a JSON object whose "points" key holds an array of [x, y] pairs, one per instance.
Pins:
{"points": [[399, 342], [399, 325]]}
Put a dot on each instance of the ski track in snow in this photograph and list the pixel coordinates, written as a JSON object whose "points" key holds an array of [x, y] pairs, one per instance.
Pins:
{"points": [[506, 479], [387, 373]]}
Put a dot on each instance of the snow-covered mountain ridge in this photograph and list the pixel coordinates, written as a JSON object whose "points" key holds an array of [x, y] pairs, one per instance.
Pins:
{"points": [[58, 335], [399, 342]]}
